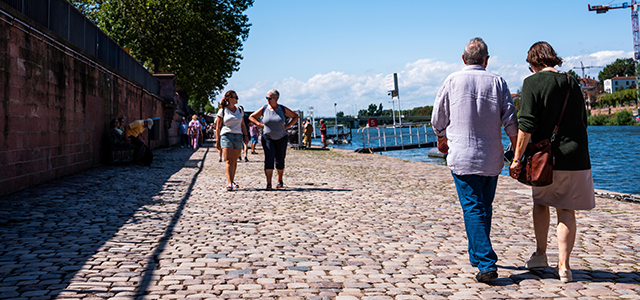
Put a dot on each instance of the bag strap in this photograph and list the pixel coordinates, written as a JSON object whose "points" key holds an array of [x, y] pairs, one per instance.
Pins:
{"points": [[566, 99]]}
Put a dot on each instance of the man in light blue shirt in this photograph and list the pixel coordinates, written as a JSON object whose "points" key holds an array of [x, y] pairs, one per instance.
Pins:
{"points": [[468, 114]]}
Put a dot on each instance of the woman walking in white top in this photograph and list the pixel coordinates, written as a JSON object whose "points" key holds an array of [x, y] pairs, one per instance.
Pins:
{"points": [[230, 134]]}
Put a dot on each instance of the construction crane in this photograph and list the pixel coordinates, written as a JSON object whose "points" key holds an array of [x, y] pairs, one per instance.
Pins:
{"points": [[634, 21], [587, 67], [634, 25]]}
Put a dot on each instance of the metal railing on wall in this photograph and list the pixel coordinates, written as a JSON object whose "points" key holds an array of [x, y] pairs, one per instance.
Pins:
{"points": [[66, 21]]}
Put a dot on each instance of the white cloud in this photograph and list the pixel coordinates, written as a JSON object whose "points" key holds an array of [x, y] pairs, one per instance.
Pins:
{"points": [[418, 82]]}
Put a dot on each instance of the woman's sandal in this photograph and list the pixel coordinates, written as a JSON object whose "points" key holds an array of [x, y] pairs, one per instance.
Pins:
{"points": [[269, 187], [280, 185], [235, 185], [229, 188]]}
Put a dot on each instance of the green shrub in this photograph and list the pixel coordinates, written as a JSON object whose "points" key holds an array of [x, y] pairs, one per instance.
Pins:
{"points": [[624, 118], [597, 120]]}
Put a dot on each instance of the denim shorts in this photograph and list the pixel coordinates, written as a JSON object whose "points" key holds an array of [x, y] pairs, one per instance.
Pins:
{"points": [[229, 140], [254, 139]]}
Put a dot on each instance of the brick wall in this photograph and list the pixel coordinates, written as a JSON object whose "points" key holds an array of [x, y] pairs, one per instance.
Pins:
{"points": [[611, 110], [55, 106]]}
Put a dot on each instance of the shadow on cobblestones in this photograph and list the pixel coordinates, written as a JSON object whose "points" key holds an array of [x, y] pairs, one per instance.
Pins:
{"points": [[49, 233], [154, 260]]}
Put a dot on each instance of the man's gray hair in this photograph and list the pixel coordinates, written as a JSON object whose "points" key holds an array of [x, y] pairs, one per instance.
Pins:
{"points": [[475, 52], [274, 92]]}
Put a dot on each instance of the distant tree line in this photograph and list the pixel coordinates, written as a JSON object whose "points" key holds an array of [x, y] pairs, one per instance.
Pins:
{"points": [[378, 111], [617, 98]]}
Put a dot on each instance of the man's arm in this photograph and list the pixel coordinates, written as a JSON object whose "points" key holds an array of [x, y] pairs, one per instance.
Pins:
{"points": [[509, 115], [440, 118], [440, 114]]}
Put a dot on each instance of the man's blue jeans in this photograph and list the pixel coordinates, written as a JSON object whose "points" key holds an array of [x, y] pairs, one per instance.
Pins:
{"points": [[476, 195]]}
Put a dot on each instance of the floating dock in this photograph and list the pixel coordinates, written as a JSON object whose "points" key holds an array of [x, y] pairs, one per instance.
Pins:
{"points": [[396, 147]]}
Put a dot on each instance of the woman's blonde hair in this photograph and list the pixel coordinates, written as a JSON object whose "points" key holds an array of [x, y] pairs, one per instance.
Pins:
{"points": [[194, 117]]}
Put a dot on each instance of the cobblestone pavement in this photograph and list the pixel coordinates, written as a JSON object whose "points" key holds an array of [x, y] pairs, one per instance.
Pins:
{"points": [[346, 226]]}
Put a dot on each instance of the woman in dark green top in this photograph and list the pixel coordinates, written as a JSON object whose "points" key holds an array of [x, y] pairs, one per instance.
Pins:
{"points": [[542, 98]]}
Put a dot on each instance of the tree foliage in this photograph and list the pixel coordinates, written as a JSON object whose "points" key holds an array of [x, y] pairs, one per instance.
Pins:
{"points": [[620, 67], [420, 111], [617, 98], [624, 117], [574, 75], [371, 111], [197, 40]]}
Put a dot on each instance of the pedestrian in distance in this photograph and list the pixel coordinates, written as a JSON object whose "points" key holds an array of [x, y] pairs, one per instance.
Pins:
{"points": [[230, 135], [184, 133], [323, 133], [194, 131], [245, 144], [469, 111], [308, 130], [203, 126], [274, 136], [543, 96], [253, 131], [215, 124]]}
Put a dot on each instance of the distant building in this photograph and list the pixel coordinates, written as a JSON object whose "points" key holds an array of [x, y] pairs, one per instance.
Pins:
{"points": [[619, 83], [589, 87]]}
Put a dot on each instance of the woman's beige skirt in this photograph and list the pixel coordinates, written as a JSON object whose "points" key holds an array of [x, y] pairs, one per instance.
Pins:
{"points": [[569, 190]]}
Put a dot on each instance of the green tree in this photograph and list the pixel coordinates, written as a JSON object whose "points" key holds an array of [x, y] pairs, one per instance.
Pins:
{"points": [[421, 111], [340, 114], [197, 40], [624, 117], [617, 98], [574, 75], [380, 110], [620, 67], [372, 110]]}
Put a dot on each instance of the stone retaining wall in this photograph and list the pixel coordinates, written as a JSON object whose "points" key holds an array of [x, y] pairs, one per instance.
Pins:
{"points": [[56, 103]]}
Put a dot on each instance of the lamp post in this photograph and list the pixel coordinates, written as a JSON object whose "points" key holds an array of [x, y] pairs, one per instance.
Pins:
{"points": [[335, 112]]}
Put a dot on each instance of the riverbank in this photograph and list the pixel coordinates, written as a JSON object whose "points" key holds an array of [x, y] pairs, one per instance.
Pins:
{"points": [[614, 158], [346, 225]]}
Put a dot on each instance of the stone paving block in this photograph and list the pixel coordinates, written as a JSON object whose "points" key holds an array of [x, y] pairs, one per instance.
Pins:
{"points": [[341, 228]]}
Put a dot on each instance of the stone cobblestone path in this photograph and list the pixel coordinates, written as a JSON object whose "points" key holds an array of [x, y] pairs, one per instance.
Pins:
{"points": [[346, 226]]}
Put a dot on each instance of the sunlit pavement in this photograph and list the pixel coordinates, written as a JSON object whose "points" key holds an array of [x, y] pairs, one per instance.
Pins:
{"points": [[345, 226]]}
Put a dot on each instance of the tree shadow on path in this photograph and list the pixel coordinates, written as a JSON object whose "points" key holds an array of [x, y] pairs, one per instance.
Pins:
{"points": [[49, 232]]}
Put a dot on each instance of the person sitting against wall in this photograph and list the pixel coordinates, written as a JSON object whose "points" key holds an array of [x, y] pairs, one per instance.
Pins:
{"points": [[133, 132], [116, 133], [122, 125]]}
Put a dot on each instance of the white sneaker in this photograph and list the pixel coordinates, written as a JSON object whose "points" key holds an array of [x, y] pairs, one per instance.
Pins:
{"points": [[537, 261], [564, 275]]}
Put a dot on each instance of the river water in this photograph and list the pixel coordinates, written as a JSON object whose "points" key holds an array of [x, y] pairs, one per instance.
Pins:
{"points": [[614, 150]]}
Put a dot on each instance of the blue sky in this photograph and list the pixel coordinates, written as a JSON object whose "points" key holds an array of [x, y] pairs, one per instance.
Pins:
{"points": [[321, 52]]}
